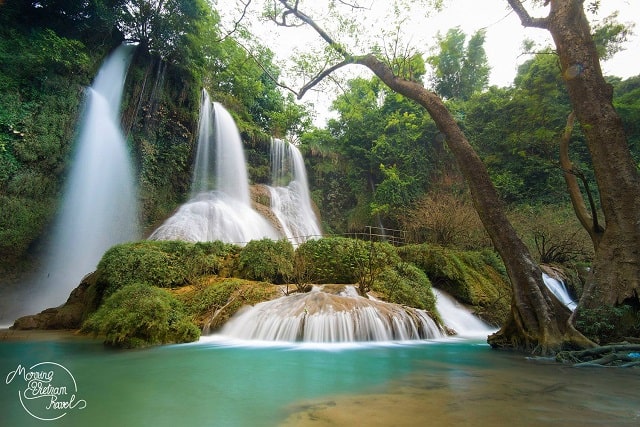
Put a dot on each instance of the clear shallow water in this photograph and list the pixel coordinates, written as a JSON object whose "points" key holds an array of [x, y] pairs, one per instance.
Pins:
{"points": [[216, 383]]}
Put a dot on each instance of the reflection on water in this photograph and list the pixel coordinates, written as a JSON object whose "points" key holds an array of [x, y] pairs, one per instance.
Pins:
{"points": [[217, 384]]}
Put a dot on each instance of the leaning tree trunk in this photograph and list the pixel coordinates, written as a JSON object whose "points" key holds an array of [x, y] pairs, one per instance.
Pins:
{"points": [[537, 322], [615, 276]]}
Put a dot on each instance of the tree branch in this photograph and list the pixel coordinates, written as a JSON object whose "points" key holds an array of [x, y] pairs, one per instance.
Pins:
{"points": [[324, 73], [589, 221], [293, 10], [236, 24], [525, 18]]}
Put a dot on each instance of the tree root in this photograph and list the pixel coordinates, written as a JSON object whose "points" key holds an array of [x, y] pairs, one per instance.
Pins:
{"points": [[621, 355]]}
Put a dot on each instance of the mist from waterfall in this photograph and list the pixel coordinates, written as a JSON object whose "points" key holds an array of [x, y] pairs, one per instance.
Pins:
{"points": [[99, 204], [290, 198], [220, 204]]}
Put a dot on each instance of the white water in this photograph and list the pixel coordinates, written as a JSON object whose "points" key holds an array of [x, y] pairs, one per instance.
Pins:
{"points": [[558, 288], [219, 209], [99, 205], [459, 318], [322, 317], [291, 202]]}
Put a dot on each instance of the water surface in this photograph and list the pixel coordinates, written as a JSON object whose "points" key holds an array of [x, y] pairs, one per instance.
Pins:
{"points": [[214, 383]]}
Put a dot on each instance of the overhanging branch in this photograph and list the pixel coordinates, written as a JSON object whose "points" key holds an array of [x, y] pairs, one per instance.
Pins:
{"points": [[525, 18]]}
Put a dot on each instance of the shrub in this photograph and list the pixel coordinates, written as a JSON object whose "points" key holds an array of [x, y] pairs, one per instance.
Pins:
{"points": [[606, 324], [553, 234], [443, 218], [139, 315], [342, 260], [267, 260], [160, 263]]}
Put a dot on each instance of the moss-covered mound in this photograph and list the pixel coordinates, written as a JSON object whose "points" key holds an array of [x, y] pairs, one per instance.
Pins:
{"points": [[139, 315], [406, 284], [477, 278]]}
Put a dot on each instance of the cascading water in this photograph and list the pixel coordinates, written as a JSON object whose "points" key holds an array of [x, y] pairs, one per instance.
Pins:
{"points": [[323, 317], [290, 199], [99, 206], [459, 318], [220, 206], [558, 288]]}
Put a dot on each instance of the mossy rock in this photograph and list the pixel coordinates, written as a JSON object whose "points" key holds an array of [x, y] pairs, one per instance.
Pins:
{"points": [[139, 315], [476, 278]]}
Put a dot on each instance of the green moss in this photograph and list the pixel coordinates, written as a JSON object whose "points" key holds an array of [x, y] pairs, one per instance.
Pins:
{"points": [[476, 278], [139, 315]]}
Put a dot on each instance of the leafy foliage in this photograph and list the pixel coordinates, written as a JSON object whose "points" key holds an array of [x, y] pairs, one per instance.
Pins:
{"points": [[164, 264], [140, 315], [459, 71], [267, 260], [345, 261], [606, 324]]}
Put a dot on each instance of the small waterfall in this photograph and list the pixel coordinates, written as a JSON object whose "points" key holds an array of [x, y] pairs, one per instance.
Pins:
{"points": [[290, 198], [558, 288], [99, 206], [459, 318], [322, 317], [220, 206]]}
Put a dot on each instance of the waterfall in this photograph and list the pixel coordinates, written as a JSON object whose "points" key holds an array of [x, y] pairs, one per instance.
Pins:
{"points": [[220, 206], [322, 317], [558, 288], [458, 318], [99, 204], [290, 198]]}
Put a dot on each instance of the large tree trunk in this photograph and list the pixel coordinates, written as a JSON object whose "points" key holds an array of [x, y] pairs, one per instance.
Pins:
{"points": [[615, 276], [538, 322]]}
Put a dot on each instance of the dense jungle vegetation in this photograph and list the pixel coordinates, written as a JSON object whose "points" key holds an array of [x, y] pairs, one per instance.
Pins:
{"points": [[381, 161]]}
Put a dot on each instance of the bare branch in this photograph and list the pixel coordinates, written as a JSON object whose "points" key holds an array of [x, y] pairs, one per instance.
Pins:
{"points": [[525, 18], [293, 10], [236, 24]]}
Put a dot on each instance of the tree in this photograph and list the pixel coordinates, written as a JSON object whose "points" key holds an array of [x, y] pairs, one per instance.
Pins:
{"points": [[615, 274], [459, 71], [538, 322]]}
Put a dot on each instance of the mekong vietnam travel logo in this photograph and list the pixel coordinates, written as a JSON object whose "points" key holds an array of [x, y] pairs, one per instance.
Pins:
{"points": [[50, 390]]}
